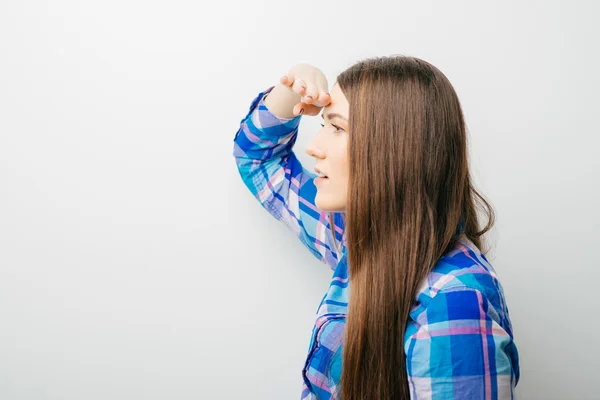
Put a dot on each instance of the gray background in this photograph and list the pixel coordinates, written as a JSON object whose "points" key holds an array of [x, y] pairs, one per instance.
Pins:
{"points": [[134, 264]]}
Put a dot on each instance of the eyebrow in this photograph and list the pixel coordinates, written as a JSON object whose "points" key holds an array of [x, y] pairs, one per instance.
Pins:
{"points": [[334, 115]]}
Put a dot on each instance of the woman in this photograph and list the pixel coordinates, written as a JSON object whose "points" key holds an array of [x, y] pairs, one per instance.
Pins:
{"points": [[414, 308]]}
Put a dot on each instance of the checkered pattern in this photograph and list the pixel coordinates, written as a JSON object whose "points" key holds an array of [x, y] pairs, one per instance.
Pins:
{"points": [[458, 342]]}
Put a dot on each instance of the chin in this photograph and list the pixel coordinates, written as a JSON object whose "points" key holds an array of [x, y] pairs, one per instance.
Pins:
{"points": [[328, 205]]}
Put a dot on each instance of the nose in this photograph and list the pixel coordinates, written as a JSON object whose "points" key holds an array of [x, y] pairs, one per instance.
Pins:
{"points": [[314, 151]]}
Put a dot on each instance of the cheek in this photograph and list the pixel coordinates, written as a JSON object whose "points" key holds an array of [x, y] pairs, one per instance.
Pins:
{"points": [[345, 166], [342, 174]]}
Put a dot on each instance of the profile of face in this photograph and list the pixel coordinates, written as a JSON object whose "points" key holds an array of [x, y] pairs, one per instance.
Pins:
{"points": [[330, 149]]}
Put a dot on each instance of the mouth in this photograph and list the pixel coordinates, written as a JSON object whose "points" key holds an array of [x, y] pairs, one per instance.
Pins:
{"points": [[320, 173], [321, 179]]}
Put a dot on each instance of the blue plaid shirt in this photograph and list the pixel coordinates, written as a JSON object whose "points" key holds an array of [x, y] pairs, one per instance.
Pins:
{"points": [[458, 342]]}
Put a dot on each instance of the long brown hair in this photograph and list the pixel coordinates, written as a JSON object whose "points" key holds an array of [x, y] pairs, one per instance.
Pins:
{"points": [[410, 195]]}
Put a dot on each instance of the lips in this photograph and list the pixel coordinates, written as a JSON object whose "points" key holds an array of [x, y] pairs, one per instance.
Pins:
{"points": [[320, 173], [319, 180]]}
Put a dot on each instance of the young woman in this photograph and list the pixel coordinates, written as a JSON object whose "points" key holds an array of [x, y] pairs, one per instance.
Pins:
{"points": [[414, 309]]}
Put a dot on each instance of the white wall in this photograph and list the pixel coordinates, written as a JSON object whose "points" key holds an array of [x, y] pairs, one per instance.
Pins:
{"points": [[134, 264]]}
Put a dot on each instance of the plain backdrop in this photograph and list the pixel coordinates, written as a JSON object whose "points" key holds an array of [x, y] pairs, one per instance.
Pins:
{"points": [[134, 263]]}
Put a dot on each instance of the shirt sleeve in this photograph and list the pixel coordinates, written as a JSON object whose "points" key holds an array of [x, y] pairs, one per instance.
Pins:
{"points": [[461, 348], [263, 149]]}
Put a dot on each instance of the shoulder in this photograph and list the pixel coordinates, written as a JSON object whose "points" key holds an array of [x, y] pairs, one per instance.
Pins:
{"points": [[462, 285]]}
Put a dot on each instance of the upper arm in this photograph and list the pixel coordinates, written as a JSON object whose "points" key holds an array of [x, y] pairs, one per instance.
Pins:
{"points": [[270, 169], [458, 349], [292, 201]]}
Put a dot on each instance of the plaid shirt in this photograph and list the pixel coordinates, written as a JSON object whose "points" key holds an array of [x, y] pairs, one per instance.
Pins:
{"points": [[458, 341]]}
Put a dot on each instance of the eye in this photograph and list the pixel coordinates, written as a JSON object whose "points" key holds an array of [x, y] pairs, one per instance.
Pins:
{"points": [[337, 128]]}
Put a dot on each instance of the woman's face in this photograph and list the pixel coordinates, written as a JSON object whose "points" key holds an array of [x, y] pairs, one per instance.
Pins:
{"points": [[330, 149]]}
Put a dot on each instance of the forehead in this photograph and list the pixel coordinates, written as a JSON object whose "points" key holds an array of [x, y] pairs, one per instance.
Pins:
{"points": [[339, 103]]}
